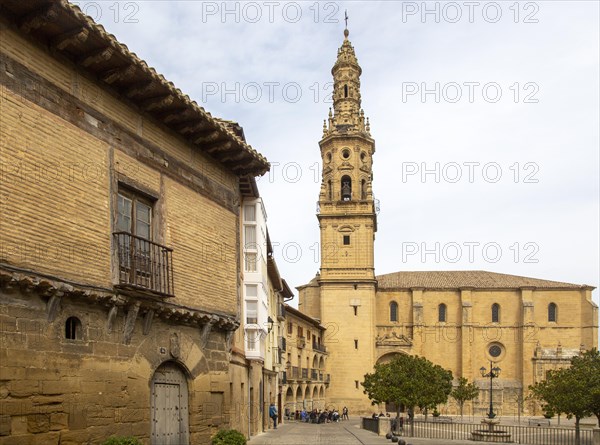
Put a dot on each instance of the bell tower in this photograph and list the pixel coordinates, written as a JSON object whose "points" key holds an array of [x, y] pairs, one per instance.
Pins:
{"points": [[343, 294], [347, 209]]}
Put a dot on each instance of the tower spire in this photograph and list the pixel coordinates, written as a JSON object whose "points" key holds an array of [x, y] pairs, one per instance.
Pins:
{"points": [[347, 114]]}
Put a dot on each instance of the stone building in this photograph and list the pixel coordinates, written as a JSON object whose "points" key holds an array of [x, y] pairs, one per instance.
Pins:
{"points": [[120, 270], [304, 381], [460, 320]]}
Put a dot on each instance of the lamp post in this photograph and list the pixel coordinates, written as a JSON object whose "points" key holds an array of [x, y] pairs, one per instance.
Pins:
{"points": [[494, 373]]}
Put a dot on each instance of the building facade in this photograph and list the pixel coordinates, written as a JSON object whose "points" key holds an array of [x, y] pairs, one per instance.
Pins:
{"points": [[459, 320], [304, 380], [120, 271]]}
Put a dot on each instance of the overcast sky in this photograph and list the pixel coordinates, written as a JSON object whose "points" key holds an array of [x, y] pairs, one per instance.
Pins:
{"points": [[497, 103]]}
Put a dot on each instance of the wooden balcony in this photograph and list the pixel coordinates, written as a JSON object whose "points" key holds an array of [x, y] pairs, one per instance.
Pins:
{"points": [[301, 342], [144, 265]]}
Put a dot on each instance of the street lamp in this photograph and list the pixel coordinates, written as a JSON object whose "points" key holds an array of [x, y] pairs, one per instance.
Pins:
{"points": [[494, 373]]}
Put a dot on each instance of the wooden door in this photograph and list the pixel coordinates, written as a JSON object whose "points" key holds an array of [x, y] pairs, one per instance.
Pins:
{"points": [[169, 406]]}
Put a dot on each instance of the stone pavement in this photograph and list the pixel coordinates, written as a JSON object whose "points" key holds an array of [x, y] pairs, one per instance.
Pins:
{"points": [[342, 433]]}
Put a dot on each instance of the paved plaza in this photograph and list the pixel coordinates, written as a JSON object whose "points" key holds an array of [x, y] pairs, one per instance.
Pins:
{"points": [[350, 433], [342, 433]]}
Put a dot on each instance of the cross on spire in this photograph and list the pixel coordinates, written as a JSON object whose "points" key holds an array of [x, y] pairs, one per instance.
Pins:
{"points": [[346, 17]]}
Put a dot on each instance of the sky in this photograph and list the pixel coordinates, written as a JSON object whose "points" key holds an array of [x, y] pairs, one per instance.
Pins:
{"points": [[485, 117]]}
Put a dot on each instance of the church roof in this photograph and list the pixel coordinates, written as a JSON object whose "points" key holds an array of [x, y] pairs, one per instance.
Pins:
{"points": [[457, 279]]}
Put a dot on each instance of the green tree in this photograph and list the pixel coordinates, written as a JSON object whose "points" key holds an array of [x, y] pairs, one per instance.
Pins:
{"points": [[408, 381], [574, 391], [589, 365], [464, 392]]}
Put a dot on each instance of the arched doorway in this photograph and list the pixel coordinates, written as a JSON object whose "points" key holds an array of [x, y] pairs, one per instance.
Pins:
{"points": [[170, 416], [289, 402]]}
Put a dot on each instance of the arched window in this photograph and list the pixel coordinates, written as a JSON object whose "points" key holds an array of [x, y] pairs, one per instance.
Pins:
{"points": [[346, 184], [345, 90], [330, 190], [393, 311], [363, 189], [73, 329], [442, 312], [552, 312], [495, 313]]}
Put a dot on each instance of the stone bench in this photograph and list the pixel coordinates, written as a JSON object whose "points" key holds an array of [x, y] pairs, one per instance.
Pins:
{"points": [[442, 419], [539, 422]]}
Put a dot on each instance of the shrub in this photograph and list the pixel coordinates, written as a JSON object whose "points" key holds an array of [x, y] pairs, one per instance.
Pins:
{"points": [[122, 441], [228, 437]]}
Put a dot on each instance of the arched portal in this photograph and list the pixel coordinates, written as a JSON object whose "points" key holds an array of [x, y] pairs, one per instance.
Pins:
{"points": [[388, 357], [170, 416]]}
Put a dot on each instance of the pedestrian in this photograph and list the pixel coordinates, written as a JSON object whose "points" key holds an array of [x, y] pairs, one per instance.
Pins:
{"points": [[273, 414], [345, 414]]}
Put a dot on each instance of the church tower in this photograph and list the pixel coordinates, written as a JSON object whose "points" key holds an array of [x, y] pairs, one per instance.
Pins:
{"points": [[343, 293]]}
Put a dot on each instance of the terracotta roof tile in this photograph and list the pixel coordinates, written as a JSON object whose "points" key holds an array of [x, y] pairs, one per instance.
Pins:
{"points": [[468, 278]]}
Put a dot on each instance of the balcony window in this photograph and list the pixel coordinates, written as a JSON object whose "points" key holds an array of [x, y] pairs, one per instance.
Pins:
{"points": [[251, 312], [143, 264]]}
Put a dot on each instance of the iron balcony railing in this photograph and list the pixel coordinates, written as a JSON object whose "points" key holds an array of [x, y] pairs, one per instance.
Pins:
{"points": [[144, 265], [319, 347], [314, 375], [295, 373], [280, 312]]}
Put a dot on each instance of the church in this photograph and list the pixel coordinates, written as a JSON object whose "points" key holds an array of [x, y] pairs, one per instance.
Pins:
{"points": [[461, 320]]}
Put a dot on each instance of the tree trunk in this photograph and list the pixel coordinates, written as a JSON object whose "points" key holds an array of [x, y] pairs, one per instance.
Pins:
{"points": [[411, 416], [461, 405], [577, 435]]}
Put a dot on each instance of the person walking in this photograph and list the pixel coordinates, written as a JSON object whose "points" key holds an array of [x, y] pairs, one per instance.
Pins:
{"points": [[273, 414], [345, 414]]}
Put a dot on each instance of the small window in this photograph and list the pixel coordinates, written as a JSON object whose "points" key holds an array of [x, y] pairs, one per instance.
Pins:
{"points": [[251, 312], [356, 384], [495, 313], [442, 310], [290, 327], [355, 310], [250, 213], [73, 329], [300, 331], [250, 259], [355, 344], [346, 240], [552, 312], [393, 311], [345, 90]]}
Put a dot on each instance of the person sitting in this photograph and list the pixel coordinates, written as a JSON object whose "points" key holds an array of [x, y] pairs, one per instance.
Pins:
{"points": [[313, 416], [323, 417], [335, 417]]}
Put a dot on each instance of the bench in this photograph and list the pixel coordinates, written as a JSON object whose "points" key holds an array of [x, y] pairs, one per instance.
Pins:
{"points": [[539, 422], [442, 419]]}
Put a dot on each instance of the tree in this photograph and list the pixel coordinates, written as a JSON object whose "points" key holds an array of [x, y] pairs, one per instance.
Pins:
{"points": [[408, 381], [574, 391], [464, 392], [588, 365]]}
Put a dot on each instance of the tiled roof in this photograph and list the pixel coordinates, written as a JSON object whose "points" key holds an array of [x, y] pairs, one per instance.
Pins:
{"points": [[480, 279], [69, 32]]}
